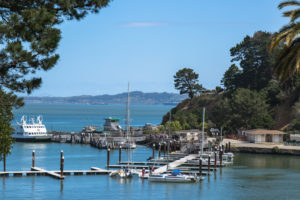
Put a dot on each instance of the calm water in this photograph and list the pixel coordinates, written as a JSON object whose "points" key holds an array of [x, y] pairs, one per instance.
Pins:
{"points": [[73, 117], [251, 177]]}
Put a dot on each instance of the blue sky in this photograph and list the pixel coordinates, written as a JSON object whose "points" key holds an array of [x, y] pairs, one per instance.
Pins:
{"points": [[146, 41]]}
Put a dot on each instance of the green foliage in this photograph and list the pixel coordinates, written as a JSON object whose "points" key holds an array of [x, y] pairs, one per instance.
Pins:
{"points": [[246, 109], [29, 37], [275, 149], [255, 61], [219, 89], [288, 59], [253, 97], [6, 140], [231, 78], [295, 123], [186, 81], [171, 127], [7, 102]]}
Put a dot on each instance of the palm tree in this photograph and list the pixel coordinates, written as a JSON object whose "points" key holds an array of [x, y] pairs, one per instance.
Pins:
{"points": [[288, 41]]}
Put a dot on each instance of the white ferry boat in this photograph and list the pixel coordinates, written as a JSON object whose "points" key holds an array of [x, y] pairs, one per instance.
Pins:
{"points": [[31, 132]]}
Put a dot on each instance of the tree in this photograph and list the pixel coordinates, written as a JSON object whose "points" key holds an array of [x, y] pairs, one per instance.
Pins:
{"points": [[7, 102], [249, 110], [230, 79], [255, 61], [245, 109], [29, 37], [173, 126], [288, 60], [186, 81], [6, 141]]}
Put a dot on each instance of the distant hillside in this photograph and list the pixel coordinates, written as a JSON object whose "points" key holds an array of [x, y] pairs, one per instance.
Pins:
{"points": [[136, 97]]}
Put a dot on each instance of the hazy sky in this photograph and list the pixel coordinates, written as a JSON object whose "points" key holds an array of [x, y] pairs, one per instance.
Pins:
{"points": [[146, 41]]}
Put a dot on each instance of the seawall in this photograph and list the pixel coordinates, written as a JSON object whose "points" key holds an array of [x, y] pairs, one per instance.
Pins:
{"points": [[264, 150]]}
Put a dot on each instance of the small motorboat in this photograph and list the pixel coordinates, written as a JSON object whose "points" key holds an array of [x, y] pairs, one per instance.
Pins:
{"points": [[174, 177], [125, 173], [143, 174], [114, 173]]}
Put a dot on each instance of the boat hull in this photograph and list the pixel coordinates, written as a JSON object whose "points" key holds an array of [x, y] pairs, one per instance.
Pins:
{"points": [[33, 139]]}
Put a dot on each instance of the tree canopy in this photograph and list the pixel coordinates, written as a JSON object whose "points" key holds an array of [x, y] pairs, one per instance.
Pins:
{"points": [[186, 81], [29, 37], [288, 60], [255, 61]]}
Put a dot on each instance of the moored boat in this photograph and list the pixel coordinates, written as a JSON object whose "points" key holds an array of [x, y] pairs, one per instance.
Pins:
{"points": [[174, 177], [31, 132]]}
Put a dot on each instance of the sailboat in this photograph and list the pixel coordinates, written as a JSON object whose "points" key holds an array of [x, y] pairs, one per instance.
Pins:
{"points": [[127, 144]]}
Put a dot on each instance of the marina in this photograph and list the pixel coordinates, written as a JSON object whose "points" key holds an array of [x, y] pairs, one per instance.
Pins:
{"points": [[88, 165], [272, 171]]}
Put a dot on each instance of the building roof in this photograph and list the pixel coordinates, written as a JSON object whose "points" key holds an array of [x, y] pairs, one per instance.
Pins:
{"points": [[264, 131]]}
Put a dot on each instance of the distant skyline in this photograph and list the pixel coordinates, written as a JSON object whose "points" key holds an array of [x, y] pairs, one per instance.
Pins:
{"points": [[146, 42]]}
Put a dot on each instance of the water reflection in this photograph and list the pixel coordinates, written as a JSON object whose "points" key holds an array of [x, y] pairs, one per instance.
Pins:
{"points": [[3, 183], [61, 186], [124, 180], [267, 161]]}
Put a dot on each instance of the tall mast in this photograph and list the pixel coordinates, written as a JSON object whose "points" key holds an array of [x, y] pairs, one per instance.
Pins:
{"points": [[170, 118], [202, 142], [127, 115]]}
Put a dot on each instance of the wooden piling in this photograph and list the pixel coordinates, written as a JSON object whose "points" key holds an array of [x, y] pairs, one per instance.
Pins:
{"points": [[61, 154], [228, 146], [165, 146], [215, 159], [175, 148], [153, 151], [4, 162], [108, 151], [200, 166], [62, 166], [221, 157], [120, 154], [208, 165], [159, 149], [33, 158], [62, 159]]}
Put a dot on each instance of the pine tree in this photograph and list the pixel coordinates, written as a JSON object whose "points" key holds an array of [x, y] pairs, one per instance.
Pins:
{"points": [[29, 37]]}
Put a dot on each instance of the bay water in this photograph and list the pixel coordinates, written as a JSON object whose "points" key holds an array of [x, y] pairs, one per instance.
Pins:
{"points": [[73, 117], [250, 177]]}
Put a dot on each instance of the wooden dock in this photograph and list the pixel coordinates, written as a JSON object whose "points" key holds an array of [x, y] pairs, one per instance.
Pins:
{"points": [[55, 174], [175, 164], [49, 173]]}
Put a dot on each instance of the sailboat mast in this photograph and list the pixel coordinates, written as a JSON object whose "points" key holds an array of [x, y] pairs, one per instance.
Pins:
{"points": [[128, 115], [203, 120]]}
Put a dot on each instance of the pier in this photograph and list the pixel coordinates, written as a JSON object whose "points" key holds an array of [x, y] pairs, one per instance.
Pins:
{"points": [[55, 174], [175, 164]]}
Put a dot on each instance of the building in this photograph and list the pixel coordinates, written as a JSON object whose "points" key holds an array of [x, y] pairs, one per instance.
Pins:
{"points": [[263, 135], [112, 126], [295, 137], [193, 134]]}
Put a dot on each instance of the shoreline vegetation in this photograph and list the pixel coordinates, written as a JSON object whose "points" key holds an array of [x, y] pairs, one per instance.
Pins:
{"points": [[250, 96]]}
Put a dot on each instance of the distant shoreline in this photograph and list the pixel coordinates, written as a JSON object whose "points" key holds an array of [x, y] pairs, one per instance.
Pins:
{"points": [[59, 103], [136, 97]]}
